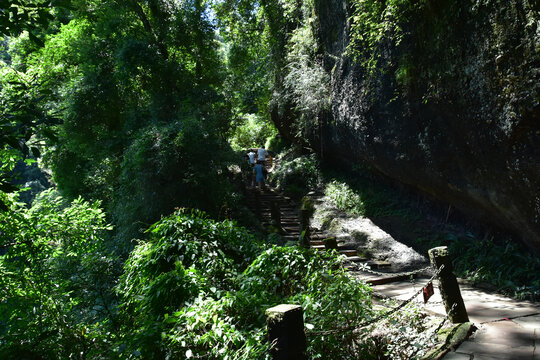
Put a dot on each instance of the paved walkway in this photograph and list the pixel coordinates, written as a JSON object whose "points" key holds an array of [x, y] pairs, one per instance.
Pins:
{"points": [[507, 329]]}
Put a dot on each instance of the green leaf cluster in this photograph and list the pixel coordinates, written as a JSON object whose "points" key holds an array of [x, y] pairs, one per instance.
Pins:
{"points": [[55, 277], [251, 131], [372, 23], [297, 175], [201, 287], [188, 255], [503, 263], [137, 86], [344, 198]]}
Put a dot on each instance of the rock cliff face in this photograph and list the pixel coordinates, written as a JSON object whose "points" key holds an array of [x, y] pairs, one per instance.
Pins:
{"points": [[452, 106]]}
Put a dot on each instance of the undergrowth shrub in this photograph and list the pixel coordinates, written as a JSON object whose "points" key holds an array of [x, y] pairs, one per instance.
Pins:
{"points": [[344, 198], [55, 279], [405, 335], [251, 131], [196, 288], [187, 254], [298, 175], [318, 282], [504, 264], [200, 288], [165, 167]]}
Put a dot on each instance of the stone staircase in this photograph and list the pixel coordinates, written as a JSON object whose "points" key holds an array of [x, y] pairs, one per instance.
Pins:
{"points": [[276, 210]]}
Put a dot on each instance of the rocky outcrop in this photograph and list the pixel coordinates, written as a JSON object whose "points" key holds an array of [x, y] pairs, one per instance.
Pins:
{"points": [[452, 107]]}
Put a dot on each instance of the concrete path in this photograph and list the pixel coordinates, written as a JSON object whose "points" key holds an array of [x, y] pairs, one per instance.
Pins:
{"points": [[507, 329]]}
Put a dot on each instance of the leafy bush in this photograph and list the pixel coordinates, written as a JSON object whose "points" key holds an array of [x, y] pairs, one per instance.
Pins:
{"points": [[215, 328], [165, 167], [407, 334], [187, 255], [344, 198], [277, 143], [55, 278], [251, 131], [298, 175], [196, 288], [318, 282], [307, 84], [372, 21], [505, 264], [185, 292]]}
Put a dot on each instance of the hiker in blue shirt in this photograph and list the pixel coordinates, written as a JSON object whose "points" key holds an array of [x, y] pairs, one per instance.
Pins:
{"points": [[258, 170]]}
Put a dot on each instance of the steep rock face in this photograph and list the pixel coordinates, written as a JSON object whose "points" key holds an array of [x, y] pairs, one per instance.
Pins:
{"points": [[452, 108]]}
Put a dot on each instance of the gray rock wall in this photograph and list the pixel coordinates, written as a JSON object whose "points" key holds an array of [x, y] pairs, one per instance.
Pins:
{"points": [[453, 109]]}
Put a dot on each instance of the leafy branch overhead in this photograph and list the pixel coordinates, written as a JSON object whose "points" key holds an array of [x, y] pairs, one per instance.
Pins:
{"points": [[17, 16]]}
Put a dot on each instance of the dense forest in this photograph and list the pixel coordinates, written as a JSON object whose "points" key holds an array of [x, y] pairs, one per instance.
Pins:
{"points": [[124, 125]]}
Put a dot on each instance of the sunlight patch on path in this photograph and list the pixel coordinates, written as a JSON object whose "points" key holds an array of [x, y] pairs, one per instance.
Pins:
{"points": [[362, 234]]}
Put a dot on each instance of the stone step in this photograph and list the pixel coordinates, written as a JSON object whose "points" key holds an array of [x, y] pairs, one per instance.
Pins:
{"points": [[291, 228], [319, 240], [356, 259], [381, 280], [348, 252], [378, 264], [283, 214], [322, 247]]}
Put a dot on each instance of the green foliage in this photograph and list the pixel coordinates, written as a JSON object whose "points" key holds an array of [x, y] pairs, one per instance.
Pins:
{"points": [[55, 278], [504, 264], [408, 334], [373, 22], [307, 85], [187, 255], [416, 43], [360, 193], [251, 131], [214, 328], [298, 175], [27, 15], [344, 198], [22, 117], [165, 167], [246, 50], [143, 121], [277, 143], [195, 290], [318, 282]]}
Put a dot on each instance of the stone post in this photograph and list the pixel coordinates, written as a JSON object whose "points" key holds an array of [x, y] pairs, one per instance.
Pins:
{"points": [[448, 285], [305, 215], [258, 210], [275, 214], [330, 243], [285, 326]]}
